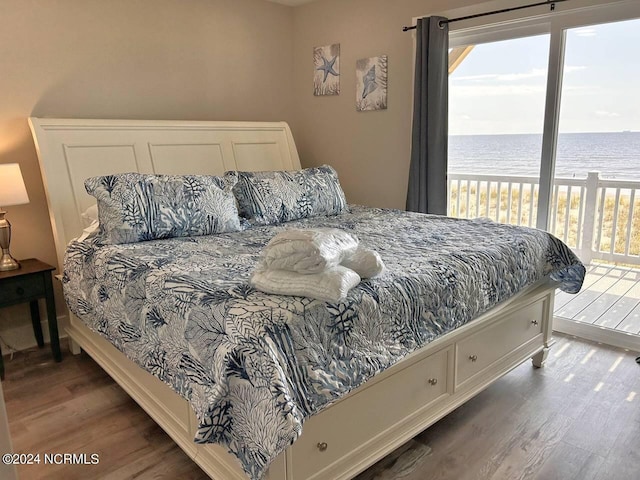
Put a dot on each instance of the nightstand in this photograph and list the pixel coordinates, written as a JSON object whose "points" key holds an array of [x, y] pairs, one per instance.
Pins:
{"points": [[27, 284]]}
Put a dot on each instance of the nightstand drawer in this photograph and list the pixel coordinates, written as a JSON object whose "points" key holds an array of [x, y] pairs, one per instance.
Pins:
{"points": [[21, 288]]}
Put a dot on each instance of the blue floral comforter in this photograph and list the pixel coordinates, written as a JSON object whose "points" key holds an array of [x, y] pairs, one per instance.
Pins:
{"points": [[254, 366]]}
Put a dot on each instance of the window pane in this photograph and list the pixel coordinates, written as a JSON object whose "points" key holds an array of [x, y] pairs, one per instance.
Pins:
{"points": [[600, 133], [496, 115]]}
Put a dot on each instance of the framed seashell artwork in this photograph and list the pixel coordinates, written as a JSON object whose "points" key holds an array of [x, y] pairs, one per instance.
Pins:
{"points": [[371, 83]]}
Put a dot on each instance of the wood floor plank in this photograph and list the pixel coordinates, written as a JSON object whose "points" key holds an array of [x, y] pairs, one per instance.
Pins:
{"points": [[609, 298], [631, 322], [576, 309], [75, 407], [569, 463], [522, 455], [625, 457], [616, 292], [622, 307], [594, 272], [595, 431]]}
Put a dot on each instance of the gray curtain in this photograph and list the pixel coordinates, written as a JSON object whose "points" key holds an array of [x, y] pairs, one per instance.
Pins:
{"points": [[427, 190]]}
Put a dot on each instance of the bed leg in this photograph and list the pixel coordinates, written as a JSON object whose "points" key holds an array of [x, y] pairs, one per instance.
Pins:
{"points": [[74, 348], [540, 357]]}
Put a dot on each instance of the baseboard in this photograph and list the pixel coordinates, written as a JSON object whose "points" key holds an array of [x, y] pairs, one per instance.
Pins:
{"points": [[596, 333]]}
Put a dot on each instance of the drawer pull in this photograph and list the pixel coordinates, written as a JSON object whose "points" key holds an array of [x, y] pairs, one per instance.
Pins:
{"points": [[322, 446], [534, 322], [473, 358], [20, 291], [433, 381]]}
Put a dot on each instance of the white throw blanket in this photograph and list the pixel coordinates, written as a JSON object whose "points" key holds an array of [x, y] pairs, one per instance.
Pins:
{"points": [[365, 262], [309, 250], [332, 285], [322, 263]]}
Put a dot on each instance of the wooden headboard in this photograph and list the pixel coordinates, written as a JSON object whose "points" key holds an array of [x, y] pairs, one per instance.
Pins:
{"points": [[71, 150]]}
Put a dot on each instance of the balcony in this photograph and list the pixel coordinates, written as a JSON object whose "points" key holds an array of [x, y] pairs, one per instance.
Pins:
{"points": [[598, 218]]}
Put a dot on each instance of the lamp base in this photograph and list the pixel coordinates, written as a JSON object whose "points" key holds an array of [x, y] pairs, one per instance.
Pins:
{"points": [[7, 262]]}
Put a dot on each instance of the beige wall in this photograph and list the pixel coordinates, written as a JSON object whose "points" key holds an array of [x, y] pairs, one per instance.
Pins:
{"points": [[203, 59], [370, 150], [148, 59]]}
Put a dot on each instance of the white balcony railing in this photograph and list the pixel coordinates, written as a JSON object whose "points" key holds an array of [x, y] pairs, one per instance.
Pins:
{"points": [[598, 218]]}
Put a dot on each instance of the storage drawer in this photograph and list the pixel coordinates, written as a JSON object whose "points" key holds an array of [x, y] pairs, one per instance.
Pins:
{"points": [[21, 288], [417, 386], [479, 351]]}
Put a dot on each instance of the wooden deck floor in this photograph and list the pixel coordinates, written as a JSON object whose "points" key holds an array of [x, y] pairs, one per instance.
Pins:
{"points": [[610, 298]]}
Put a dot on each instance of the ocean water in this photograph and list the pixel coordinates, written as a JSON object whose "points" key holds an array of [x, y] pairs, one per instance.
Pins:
{"points": [[614, 155]]}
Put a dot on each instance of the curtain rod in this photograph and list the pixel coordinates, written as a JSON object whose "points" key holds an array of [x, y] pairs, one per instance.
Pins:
{"points": [[551, 3]]}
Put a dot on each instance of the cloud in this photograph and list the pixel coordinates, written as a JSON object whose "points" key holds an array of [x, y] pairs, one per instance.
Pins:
{"points": [[486, 76], [512, 77], [504, 77], [586, 32], [496, 90], [479, 91], [604, 113], [583, 90], [536, 72]]}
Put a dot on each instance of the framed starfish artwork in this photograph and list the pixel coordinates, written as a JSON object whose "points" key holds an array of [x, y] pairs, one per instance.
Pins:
{"points": [[371, 83], [326, 75]]}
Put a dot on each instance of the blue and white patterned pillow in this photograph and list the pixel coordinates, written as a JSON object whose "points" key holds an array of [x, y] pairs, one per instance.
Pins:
{"points": [[134, 207], [265, 198]]}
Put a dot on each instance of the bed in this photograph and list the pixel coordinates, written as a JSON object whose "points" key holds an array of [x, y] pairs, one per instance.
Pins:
{"points": [[400, 393]]}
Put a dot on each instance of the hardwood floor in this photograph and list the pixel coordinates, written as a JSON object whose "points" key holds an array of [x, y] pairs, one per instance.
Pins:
{"points": [[576, 418], [74, 407]]}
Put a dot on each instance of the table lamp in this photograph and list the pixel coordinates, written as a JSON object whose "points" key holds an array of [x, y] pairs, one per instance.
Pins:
{"points": [[12, 192]]}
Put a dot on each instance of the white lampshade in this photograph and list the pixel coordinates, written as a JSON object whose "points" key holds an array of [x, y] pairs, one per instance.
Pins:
{"points": [[12, 189]]}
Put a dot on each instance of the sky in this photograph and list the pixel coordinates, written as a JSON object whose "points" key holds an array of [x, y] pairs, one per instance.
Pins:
{"points": [[500, 87]]}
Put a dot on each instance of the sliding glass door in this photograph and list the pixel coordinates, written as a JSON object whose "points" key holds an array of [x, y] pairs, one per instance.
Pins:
{"points": [[596, 201], [551, 134], [600, 135]]}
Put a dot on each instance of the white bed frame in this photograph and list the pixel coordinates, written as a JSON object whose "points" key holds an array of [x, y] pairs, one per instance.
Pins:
{"points": [[358, 430]]}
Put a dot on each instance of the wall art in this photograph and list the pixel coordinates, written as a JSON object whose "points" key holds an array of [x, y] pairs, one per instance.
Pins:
{"points": [[326, 78], [371, 83]]}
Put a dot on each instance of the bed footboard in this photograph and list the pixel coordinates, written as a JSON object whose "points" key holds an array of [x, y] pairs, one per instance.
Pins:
{"points": [[375, 419]]}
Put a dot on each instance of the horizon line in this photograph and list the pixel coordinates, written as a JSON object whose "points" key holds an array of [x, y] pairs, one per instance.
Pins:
{"points": [[529, 133]]}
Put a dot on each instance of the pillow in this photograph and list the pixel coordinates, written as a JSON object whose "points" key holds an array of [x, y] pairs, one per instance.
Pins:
{"points": [[134, 207], [266, 198]]}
